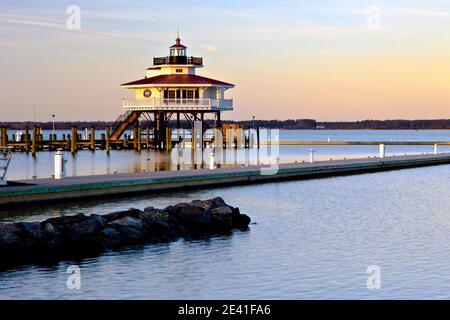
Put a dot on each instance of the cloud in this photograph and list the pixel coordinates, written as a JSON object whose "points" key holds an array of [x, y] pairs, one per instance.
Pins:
{"points": [[36, 23], [209, 47], [421, 12]]}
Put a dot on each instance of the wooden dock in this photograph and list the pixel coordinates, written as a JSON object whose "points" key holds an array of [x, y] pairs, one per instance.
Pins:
{"points": [[26, 192]]}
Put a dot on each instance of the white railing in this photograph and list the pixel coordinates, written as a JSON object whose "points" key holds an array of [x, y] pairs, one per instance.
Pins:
{"points": [[5, 158], [177, 104]]}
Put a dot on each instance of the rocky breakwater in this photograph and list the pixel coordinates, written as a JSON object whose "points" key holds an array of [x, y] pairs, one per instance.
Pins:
{"points": [[81, 235]]}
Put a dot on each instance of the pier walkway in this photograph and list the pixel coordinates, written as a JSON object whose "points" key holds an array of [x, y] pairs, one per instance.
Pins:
{"points": [[24, 192]]}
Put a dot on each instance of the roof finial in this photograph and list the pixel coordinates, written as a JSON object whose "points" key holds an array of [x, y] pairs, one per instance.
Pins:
{"points": [[178, 36]]}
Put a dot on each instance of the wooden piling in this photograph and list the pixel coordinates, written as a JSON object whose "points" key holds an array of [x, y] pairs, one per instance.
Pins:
{"points": [[108, 134], [147, 135], [27, 139], [135, 139], [73, 146], [257, 136], [138, 138], [168, 138], [92, 143], [33, 141]]}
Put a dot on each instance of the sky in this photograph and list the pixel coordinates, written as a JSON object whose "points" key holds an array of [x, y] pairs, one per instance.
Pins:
{"points": [[327, 60]]}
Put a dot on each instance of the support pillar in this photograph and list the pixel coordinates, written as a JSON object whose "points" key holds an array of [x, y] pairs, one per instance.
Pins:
{"points": [[27, 139], [108, 134]]}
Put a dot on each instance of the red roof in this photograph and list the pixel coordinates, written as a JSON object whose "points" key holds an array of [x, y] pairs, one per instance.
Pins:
{"points": [[171, 79], [178, 45]]}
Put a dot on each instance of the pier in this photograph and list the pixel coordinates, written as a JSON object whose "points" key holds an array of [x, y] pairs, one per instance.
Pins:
{"points": [[25, 192]]}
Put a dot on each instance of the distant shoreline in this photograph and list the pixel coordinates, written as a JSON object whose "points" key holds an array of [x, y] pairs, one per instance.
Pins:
{"points": [[299, 124]]}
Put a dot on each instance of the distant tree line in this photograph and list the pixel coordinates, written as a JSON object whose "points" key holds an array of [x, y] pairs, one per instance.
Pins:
{"points": [[291, 124]]}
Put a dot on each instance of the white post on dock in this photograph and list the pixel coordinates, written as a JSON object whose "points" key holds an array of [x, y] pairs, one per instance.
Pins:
{"points": [[311, 155], [436, 148], [211, 161], [86, 134], [60, 163], [382, 151]]}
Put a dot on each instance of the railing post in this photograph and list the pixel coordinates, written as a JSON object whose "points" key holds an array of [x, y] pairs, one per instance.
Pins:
{"points": [[311, 155], [382, 151]]}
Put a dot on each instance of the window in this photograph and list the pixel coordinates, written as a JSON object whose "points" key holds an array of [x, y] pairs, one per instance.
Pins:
{"points": [[179, 70], [172, 94], [190, 94]]}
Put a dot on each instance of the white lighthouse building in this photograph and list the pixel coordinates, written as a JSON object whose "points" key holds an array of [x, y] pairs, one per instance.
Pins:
{"points": [[171, 90]]}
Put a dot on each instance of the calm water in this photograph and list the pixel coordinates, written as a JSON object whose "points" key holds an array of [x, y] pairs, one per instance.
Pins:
{"points": [[24, 166], [311, 239]]}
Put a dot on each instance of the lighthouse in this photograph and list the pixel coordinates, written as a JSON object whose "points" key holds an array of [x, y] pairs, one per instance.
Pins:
{"points": [[171, 90]]}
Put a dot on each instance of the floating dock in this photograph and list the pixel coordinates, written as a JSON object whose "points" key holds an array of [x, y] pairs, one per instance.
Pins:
{"points": [[26, 192]]}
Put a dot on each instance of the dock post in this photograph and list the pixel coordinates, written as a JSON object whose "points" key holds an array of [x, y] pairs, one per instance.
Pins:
{"points": [[193, 140], [138, 138], [85, 134], [60, 172], [125, 141], [147, 134], [5, 136], [1, 137], [73, 146], [168, 138], [108, 134], [33, 141], [92, 139], [68, 142], [135, 138], [382, 151], [311, 155], [257, 137], [436, 148], [27, 139]]}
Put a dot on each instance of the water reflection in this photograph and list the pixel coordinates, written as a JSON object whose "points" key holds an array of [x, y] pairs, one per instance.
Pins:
{"points": [[24, 166]]}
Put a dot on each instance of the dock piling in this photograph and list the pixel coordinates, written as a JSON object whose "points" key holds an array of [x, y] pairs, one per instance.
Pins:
{"points": [[33, 141], [92, 142], [108, 135], [382, 151], [74, 136]]}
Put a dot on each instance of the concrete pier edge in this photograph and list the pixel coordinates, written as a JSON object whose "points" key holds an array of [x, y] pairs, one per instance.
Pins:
{"points": [[76, 188]]}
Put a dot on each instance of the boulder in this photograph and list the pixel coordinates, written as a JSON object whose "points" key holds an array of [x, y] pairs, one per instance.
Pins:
{"points": [[10, 234], [130, 228], [82, 234], [135, 213]]}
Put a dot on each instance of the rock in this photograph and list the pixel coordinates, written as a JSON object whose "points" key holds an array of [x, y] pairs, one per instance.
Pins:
{"points": [[79, 234], [240, 221], [65, 220], [122, 214], [223, 216], [84, 231], [129, 227], [210, 203], [110, 238], [10, 234]]}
